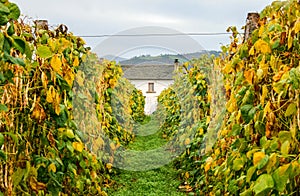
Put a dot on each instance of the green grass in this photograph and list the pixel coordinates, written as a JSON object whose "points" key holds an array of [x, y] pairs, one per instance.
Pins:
{"points": [[160, 181]]}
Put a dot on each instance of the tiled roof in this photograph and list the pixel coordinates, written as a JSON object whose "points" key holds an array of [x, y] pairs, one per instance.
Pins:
{"points": [[148, 72]]}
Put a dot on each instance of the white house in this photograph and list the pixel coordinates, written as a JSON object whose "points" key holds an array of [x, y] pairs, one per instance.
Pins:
{"points": [[151, 79]]}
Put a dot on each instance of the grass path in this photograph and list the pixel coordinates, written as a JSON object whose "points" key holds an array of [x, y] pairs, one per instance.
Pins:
{"points": [[156, 182]]}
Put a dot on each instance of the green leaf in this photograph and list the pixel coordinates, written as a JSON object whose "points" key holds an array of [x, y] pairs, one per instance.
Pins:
{"points": [[13, 60], [3, 20], [274, 144], [1, 139], [3, 108], [250, 173], [3, 155], [28, 51], [236, 130], [6, 45], [3, 9], [276, 44], [238, 164], [70, 146], [44, 51], [1, 40], [243, 51], [8, 75], [19, 44], [14, 11], [245, 110], [285, 148], [11, 29], [263, 184], [69, 133], [18, 176], [291, 109], [284, 136], [13, 136], [281, 176], [263, 162], [247, 192], [294, 78]]}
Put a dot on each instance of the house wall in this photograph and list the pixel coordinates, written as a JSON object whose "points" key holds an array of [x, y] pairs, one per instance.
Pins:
{"points": [[151, 98]]}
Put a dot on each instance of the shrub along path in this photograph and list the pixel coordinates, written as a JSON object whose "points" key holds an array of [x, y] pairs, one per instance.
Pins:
{"points": [[161, 181]]}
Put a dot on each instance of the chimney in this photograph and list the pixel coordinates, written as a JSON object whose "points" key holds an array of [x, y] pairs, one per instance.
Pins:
{"points": [[176, 65]]}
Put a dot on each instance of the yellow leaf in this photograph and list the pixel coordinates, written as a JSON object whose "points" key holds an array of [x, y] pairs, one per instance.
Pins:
{"points": [[238, 116], [74, 171], [94, 175], [69, 76], [56, 102], [208, 164], [273, 63], [52, 167], [262, 46], [113, 82], [56, 64], [297, 26], [267, 109], [50, 95], [231, 105], [52, 44], [277, 76], [207, 120], [259, 74], [44, 80], [209, 96], [186, 175], [57, 109], [264, 94], [251, 52], [261, 30], [201, 131], [187, 141], [227, 69], [264, 66], [257, 156], [249, 75], [108, 165], [78, 146], [76, 61], [290, 40], [227, 86]]}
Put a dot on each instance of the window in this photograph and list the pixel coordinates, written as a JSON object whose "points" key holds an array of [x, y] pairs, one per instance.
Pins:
{"points": [[150, 87]]}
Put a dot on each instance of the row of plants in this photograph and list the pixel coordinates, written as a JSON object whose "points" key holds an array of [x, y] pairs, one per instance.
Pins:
{"points": [[137, 105], [256, 150], [58, 126], [258, 146], [185, 109]]}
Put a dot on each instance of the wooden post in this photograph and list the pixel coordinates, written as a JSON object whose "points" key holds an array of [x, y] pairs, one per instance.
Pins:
{"points": [[41, 24], [251, 25], [176, 65]]}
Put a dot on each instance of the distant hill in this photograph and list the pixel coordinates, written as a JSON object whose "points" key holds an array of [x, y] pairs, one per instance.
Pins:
{"points": [[114, 58], [166, 58]]}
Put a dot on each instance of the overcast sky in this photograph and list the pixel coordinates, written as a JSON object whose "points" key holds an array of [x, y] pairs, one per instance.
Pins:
{"points": [[97, 17]]}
